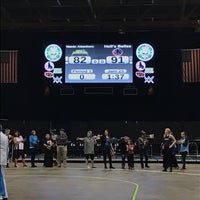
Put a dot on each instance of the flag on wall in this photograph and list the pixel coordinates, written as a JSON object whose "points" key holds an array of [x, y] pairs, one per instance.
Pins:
{"points": [[191, 65], [8, 67]]}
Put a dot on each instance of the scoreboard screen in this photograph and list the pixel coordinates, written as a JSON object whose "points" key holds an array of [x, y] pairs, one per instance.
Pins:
{"points": [[99, 63]]}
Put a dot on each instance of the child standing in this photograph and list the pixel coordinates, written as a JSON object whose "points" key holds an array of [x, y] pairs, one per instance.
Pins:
{"points": [[130, 150]]}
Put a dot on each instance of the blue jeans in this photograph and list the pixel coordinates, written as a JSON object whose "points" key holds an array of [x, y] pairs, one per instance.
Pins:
{"points": [[3, 189]]}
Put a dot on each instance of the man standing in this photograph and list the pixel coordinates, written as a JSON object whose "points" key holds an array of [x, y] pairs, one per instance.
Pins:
{"points": [[143, 149], [3, 163], [62, 141]]}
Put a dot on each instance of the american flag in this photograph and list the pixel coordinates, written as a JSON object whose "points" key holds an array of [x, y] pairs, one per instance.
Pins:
{"points": [[191, 67], [8, 67]]}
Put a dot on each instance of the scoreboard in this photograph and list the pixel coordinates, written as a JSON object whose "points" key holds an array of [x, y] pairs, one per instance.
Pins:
{"points": [[98, 63]]}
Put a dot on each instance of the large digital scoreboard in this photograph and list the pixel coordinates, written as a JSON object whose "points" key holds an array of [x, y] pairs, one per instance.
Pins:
{"points": [[99, 63]]}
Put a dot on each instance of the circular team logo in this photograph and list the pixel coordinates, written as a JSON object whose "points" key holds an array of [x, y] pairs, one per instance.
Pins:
{"points": [[140, 65], [49, 66], [117, 52], [145, 52], [53, 53]]}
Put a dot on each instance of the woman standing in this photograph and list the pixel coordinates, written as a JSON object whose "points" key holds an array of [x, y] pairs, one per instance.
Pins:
{"points": [[89, 143], [18, 141], [184, 149], [48, 151], [167, 145], [107, 147], [33, 140]]}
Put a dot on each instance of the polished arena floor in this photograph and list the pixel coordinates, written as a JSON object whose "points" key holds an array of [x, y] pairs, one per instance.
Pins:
{"points": [[76, 182]]}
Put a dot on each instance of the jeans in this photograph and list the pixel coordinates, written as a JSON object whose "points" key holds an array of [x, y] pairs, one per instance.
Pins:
{"points": [[143, 153], [106, 152], [3, 189], [183, 154], [33, 154]]}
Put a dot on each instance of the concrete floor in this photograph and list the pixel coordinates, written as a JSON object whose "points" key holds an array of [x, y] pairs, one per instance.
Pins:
{"points": [[78, 183]]}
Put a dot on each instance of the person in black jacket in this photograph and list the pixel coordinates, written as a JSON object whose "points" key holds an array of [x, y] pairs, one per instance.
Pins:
{"points": [[143, 149], [123, 148], [106, 146]]}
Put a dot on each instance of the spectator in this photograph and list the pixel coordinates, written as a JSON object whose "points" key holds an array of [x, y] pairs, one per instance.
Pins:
{"points": [[34, 142], [3, 163]]}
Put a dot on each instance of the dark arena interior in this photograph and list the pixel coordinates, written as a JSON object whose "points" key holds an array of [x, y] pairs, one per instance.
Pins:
{"points": [[129, 66]]}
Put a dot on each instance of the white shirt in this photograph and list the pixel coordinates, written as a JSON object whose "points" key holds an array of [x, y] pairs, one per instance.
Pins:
{"points": [[3, 149]]}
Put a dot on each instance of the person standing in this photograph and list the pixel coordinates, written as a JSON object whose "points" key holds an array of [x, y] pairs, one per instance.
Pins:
{"points": [[48, 151], [10, 146], [184, 148], [167, 146], [130, 150], [34, 142], [143, 149], [107, 145], [123, 148], [89, 143], [62, 142], [3, 163], [18, 149]]}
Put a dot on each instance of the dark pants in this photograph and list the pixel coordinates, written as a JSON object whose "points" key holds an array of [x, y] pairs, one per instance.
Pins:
{"points": [[144, 153], [33, 154], [167, 158], [174, 160], [17, 153], [130, 161], [106, 152], [48, 158], [183, 154], [123, 160]]}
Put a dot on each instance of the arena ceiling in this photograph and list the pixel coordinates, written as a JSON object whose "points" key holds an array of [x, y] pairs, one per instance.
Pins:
{"points": [[99, 15]]}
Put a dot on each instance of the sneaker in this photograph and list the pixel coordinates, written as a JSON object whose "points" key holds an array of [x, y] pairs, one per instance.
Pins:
{"points": [[112, 167], [147, 166], [164, 170], [105, 167], [33, 166]]}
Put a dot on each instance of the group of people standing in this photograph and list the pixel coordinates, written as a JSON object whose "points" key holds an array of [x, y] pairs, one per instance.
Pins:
{"points": [[56, 146], [169, 146]]}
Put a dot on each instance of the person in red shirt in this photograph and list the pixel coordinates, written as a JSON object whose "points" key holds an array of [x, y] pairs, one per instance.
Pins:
{"points": [[130, 150]]}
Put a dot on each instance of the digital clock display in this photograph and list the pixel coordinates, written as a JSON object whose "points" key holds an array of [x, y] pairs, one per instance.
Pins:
{"points": [[99, 63]]}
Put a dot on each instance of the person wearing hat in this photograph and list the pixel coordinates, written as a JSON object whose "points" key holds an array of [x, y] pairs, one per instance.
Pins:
{"points": [[143, 149], [3, 163], [62, 141]]}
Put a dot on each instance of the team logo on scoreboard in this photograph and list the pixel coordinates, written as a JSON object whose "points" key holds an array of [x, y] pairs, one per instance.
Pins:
{"points": [[57, 79], [145, 52], [140, 65], [48, 74], [140, 74], [117, 52], [149, 79], [49, 66], [53, 53]]}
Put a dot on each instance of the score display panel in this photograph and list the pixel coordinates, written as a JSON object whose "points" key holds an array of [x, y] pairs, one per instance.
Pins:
{"points": [[99, 63]]}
